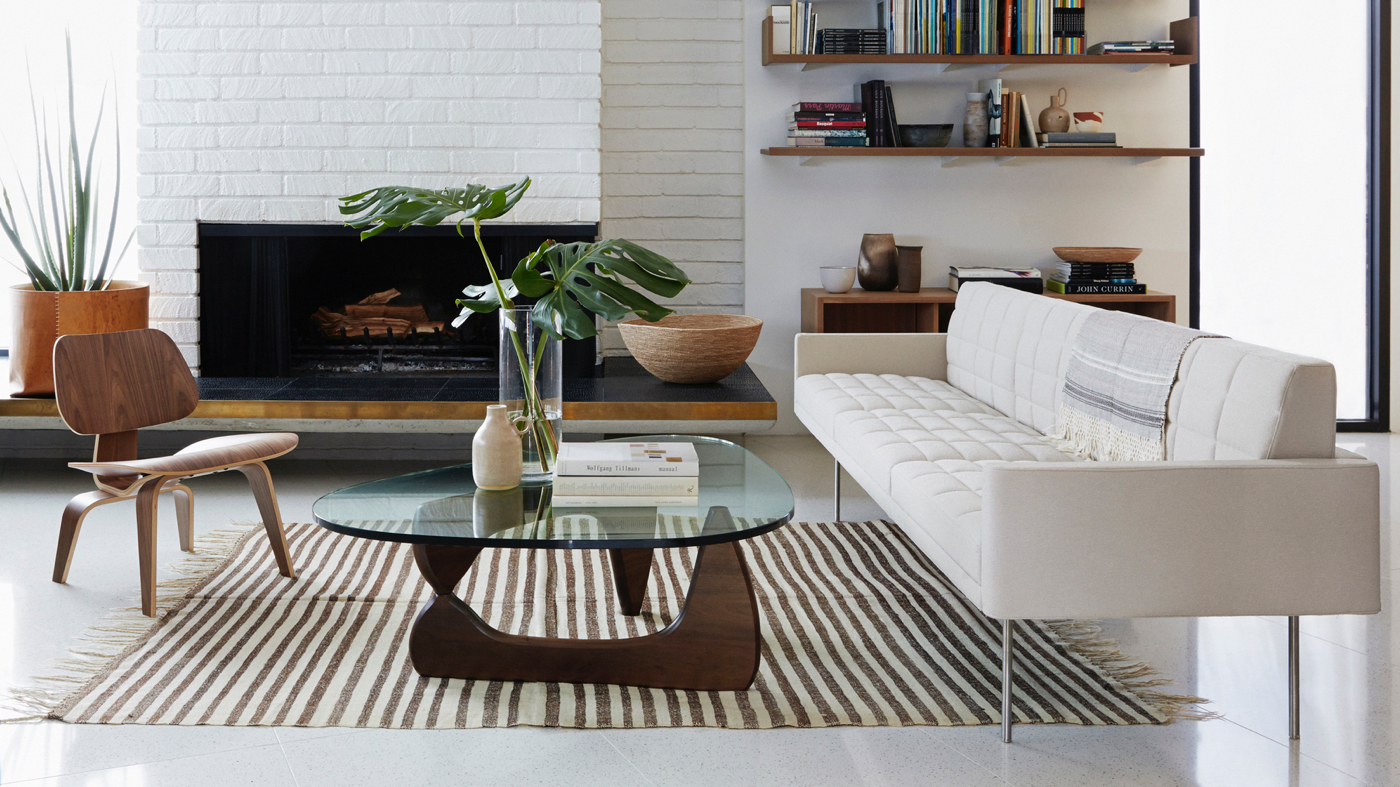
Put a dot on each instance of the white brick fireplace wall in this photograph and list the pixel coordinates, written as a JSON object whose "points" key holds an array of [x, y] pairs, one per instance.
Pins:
{"points": [[267, 111]]}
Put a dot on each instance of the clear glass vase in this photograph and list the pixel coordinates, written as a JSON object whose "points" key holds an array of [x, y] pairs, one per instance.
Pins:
{"points": [[532, 389]]}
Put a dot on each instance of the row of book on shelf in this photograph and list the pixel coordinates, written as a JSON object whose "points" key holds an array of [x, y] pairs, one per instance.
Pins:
{"points": [[951, 27], [872, 121], [1069, 278], [633, 474]]}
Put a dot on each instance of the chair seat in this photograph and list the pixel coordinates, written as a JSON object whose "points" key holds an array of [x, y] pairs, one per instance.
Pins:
{"points": [[204, 456]]}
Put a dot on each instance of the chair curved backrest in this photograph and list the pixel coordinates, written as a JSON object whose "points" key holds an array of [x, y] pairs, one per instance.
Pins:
{"points": [[108, 383]]}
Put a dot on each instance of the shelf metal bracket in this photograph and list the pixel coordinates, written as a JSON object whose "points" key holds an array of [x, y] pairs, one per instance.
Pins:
{"points": [[1140, 160], [1010, 161], [948, 161], [806, 161], [939, 68]]}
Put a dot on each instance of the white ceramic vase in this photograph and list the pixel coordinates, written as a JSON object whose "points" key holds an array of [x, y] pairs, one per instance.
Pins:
{"points": [[496, 451]]}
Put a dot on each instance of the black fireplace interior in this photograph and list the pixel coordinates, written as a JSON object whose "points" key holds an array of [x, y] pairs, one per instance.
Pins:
{"points": [[298, 300]]}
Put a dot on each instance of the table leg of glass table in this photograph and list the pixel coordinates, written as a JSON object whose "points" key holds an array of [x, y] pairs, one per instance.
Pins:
{"points": [[630, 569], [712, 645]]}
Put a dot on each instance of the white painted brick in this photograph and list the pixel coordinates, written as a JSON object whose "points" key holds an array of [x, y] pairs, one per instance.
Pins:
{"points": [[290, 62], [228, 161], [179, 330], [250, 185], [187, 137], [419, 62], [312, 39], [235, 88], [152, 15], [166, 283], [512, 38], [165, 307], [352, 111], [177, 39], [442, 136], [186, 89], [289, 160], [219, 15], [570, 87], [363, 87], [250, 136], [506, 87], [476, 14], [148, 234], [295, 210], [416, 112], [228, 209], [220, 112], [228, 63], [421, 14], [419, 161], [317, 185], [167, 63], [249, 38], [442, 87], [376, 38], [168, 259], [167, 113], [184, 185], [546, 13], [395, 136], [320, 136], [355, 62], [432, 38], [279, 112], [314, 87], [354, 160], [353, 13], [289, 14], [179, 233]]}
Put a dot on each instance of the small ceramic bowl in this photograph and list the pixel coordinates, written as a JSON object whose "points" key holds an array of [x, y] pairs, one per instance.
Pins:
{"points": [[926, 135], [838, 279], [1088, 122]]}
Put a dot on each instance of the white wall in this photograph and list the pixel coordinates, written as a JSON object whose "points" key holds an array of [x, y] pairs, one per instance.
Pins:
{"points": [[269, 111], [673, 142], [799, 218]]}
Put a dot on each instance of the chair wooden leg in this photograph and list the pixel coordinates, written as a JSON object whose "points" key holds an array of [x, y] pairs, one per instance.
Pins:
{"points": [[146, 542], [73, 515], [184, 515], [261, 481]]}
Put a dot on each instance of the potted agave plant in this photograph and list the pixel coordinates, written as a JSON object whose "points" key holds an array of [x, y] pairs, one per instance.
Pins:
{"points": [[65, 248], [570, 282]]}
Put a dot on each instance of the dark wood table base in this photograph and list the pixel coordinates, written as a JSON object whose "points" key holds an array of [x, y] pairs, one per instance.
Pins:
{"points": [[712, 645]]}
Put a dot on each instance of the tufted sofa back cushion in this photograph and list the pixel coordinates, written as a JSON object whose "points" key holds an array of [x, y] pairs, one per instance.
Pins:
{"points": [[1010, 349], [1232, 400]]}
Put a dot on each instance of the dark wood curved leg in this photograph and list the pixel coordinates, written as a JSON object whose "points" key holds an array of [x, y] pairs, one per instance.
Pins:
{"points": [[261, 481], [146, 499], [630, 569], [713, 645], [72, 522]]}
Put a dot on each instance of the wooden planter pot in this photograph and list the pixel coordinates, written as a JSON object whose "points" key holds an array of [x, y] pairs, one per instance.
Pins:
{"points": [[41, 317]]}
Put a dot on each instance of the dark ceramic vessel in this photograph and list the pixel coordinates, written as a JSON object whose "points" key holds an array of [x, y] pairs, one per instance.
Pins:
{"points": [[926, 135], [878, 269], [911, 268]]}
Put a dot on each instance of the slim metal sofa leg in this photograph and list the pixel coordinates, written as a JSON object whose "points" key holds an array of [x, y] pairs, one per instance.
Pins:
{"points": [[1008, 632], [1295, 695], [836, 489]]}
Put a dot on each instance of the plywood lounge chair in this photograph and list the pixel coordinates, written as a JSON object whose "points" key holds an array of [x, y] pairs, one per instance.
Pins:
{"points": [[112, 384]]}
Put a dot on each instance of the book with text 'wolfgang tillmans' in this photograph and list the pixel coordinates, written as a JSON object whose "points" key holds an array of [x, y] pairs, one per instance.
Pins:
{"points": [[624, 459]]}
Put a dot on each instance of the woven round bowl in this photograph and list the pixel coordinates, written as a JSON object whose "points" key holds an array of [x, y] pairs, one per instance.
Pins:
{"points": [[692, 348], [1096, 253]]}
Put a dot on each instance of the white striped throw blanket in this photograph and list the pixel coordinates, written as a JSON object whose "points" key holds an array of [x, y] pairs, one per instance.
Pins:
{"points": [[1121, 372]]}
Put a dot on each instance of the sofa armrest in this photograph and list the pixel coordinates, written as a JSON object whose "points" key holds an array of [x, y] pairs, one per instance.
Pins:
{"points": [[1168, 539], [908, 354]]}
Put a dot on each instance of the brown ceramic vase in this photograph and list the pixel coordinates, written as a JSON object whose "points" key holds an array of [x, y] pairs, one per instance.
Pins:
{"points": [[878, 268], [41, 317]]}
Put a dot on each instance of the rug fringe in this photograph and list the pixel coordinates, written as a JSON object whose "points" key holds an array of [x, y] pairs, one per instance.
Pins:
{"points": [[1085, 639], [120, 630]]}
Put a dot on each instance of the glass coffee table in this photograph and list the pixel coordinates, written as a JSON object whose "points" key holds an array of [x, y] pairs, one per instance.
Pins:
{"points": [[711, 645]]}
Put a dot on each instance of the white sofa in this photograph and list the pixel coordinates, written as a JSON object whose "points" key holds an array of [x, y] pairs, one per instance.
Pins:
{"points": [[1254, 512]]}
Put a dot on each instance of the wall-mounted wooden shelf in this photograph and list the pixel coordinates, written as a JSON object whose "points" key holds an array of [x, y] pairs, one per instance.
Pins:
{"points": [[1183, 32], [1002, 155], [928, 310]]}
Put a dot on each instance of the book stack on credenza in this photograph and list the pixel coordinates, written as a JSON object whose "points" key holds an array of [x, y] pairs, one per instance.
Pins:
{"points": [[1024, 279], [826, 124], [632, 475], [850, 41], [1095, 278]]}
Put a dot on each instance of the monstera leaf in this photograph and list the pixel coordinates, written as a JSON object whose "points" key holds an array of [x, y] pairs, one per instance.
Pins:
{"points": [[592, 276], [402, 206]]}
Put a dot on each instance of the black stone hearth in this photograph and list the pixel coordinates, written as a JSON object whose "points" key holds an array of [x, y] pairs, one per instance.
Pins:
{"points": [[260, 284]]}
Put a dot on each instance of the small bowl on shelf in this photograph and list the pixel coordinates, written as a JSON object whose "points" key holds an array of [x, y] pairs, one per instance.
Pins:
{"points": [[1096, 253], [692, 348], [838, 279], [925, 135]]}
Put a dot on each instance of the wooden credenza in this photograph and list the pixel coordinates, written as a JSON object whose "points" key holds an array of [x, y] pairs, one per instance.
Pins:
{"points": [[928, 310]]}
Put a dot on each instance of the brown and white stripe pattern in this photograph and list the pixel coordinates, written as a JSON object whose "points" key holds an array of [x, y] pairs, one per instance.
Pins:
{"points": [[859, 629]]}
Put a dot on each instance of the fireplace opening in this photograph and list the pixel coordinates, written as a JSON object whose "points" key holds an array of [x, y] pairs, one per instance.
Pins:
{"points": [[313, 300]]}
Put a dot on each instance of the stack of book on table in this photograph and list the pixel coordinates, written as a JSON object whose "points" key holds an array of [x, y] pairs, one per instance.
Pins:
{"points": [[1133, 48], [627, 475], [1075, 139], [1096, 278], [826, 124], [1027, 279]]}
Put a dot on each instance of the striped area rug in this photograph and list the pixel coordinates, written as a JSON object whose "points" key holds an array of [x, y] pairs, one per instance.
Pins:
{"points": [[859, 628]]}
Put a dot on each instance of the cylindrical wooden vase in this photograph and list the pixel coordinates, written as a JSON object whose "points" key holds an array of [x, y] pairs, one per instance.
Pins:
{"points": [[878, 268], [496, 462], [41, 317], [911, 268]]}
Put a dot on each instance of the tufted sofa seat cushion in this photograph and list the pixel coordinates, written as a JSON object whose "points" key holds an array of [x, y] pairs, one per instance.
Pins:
{"points": [[925, 443]]}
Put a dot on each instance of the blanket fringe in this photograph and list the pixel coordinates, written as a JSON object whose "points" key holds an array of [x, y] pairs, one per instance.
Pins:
{"points": [[120, 630], [1085, 639], [1082, 435]]}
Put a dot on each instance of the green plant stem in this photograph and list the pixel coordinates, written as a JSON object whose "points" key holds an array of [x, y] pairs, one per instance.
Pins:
{"points": [[539, 424]]}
